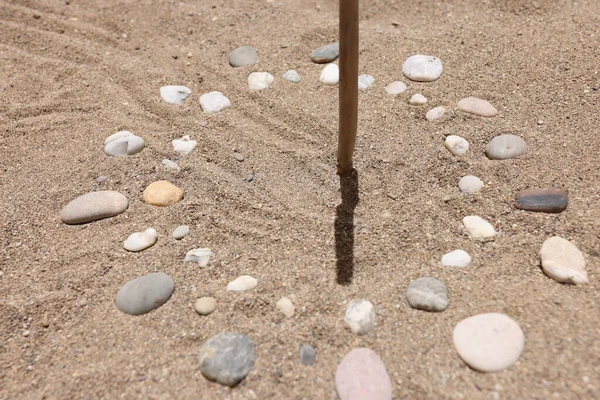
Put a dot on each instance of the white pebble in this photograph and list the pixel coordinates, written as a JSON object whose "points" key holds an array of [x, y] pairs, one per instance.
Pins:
{"points": [[470, 184], [330, 74], [242, 283], [175, 94], [563, 261], [214, 102], [422, 68], [360, 316], [259, 80], [185, 145], [123, 143], [435, 113], [139, 241], [364, 81], [171, 165], [205, 305], [417, 100], [286, 306], [456, 145], [456, 258], [200, 256], [292, 76], [477, 227], [180, 232], [395, 88]]}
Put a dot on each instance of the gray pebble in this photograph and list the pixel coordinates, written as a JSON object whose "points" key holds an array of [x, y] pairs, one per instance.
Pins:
{"points": [[428, 294], [504, 147], [94, 206], [101, 178], [242, 56], [227, 358], [239, 156], [144, 294], [292, 76], [249, 178], [181, 231], [325, 54], [307, 354]]}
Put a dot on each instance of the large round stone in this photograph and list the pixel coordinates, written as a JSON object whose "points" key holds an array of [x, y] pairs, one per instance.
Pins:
{"points": [[362, 376], [94, 206], [144, 294], [162, 193], [503, 147], [227, 358]]}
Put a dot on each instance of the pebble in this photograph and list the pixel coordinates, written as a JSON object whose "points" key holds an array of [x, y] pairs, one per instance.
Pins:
{"points": [[326, 54], [456, 258], [242, 56], [123, 143], [205, 305], [144, 294], [175, 94], [94, 206], [214, 102], [477, 227], [286, 306], [428, 294], [200, 256], [395, 88], [470, 184], [473, 105], [180, 232], [456, 145], [292, 76], [227, 358], [417, 100], [422, 68], [259, 80], [550, 200], [562, 261], [360, 316], [488, 342], [184, 146], [171, 166], [364, 81], [435, 113], [503, 147], [139, 241], [239, 156], [330, 74], [361, 375], [45, 321], [242, 283], [101, 178], [308, 354], [162, 193]]}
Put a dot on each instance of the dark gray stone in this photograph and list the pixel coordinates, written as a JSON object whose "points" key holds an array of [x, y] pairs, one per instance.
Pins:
{"points": [[307, 354], [428, 294], [549, 200], [242, 56], [144, 294], [325, 54], [227, 358]]}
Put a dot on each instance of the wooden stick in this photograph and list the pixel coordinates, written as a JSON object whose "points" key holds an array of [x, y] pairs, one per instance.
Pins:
{"points": [[348, 84]]}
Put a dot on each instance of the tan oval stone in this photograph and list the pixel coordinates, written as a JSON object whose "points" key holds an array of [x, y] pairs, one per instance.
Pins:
{"points": [[162, 193], [473, 105], [562, 261], [205, 305]]}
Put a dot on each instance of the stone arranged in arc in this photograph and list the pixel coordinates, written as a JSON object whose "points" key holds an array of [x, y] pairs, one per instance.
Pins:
{"points": [[507, 146], [435, 113], [292, 76], [139, 241], [330, 74], [478, 228], [214, 102], [94, 206], [550, 200], [286, 306], [243, 56], [364, 81], [170, 166], [473, 105], [259, 80], [360, 316], [395, 88], [427, 294], [144, 294], [417, 100], [205, 305], [326, 53], [175, 94], [180, 232], [200, 256], [361, 375], [456, 258], [470, 184], [227, 358], [184, 146], [563, 261], [162, 194], [123, 143], [242, 283], [308, 355], [422, 68], [456, 145]]}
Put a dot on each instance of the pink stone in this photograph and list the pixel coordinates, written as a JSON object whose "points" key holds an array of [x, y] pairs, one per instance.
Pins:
{"points": [[362, 376], [476, 106]]}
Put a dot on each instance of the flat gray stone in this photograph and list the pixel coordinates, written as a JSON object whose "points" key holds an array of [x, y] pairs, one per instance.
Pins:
{"points": [[144, 294], [94, 206], [180, 232], [428, 294], [504, 147], [242, 56], [308, 354], [227, 358], [326, 54]]}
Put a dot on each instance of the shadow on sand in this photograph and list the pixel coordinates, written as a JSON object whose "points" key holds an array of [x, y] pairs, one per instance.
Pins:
{"points": [[344, 228]]}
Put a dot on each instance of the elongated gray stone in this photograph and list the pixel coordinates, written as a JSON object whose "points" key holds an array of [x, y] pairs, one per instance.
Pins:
{"points": [[94, 206], [325, 54], [227, 358], [144, 294], [549, 200]]}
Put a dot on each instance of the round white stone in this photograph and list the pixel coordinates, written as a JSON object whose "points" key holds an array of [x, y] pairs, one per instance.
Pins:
{"points": [[259, 80], [205, 305], [330, 74], [562, 261], [123, 143], [139, 241], [360, 316], [477, 227], [174, 94], [286, 306], [435, 113], [470, 184], [488, 342], [456, 258], [417, 100], [185, 145], [456, 145], [180, 232], [242, 283], [292, 76], [395, 88], [214, 102], [422, 68], [200, 256], [364, 81]]}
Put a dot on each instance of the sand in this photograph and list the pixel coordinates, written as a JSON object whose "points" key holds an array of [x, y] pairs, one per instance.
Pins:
{"points": [[73, 74]]}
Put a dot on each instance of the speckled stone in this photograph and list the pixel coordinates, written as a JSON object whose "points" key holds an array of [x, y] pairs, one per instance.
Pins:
{"points": [[227, 358], [422, 68], [326, 54], [549, 200], [427, 294]]}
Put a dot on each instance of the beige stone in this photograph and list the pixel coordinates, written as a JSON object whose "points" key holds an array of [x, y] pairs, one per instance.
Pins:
{"points": [[473, 105], [205, 305], [162, 193], [562, 261]]}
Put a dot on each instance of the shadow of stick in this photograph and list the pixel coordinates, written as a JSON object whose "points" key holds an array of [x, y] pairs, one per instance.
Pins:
{"points": [[344, 228]]}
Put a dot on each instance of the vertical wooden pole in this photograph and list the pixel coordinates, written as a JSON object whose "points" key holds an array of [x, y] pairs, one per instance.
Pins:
{"points": [[348, 84]]}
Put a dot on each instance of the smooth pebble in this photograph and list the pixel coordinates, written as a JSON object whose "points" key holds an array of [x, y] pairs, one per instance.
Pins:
{"points": [[139, 241], [330, 74], [417, 100], [227, 358], [422, 68], [362, 375], [507, 146], [395, 88], [470, 184], [563, 261], [326, 53], [170, 166], [123, 143], [473, 105], [199, 256], [435, 113], [456, 145], [180, 232], [456, 258], [259, 80], [205, 305], [94, 206], [364, 81], [292, 76], [242, 56], [174, 94], [286, 306], [308, 354], [242, 283], [162, 193], [477, 227], [214, 102], [427, 294], [144, 294], [549, 200], [360, 316], [184, 146]]}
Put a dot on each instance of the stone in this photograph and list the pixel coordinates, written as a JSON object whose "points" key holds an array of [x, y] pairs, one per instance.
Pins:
{"points": [[360, 316], [286, 306], [101, 178], [180, 232], [205, 305], [242, 283], [184, 146], [200, 256], [417, 100], [470, 184], [473, 105], [308, 355], [144, 294], [562, 261], [94, 206], [503, 147], [395, 88], [330, 74], [139, 241], [259, 80], [243, 56], [292, 76], [170, 166], [123, 143], [422, 68], [478, 228], [227, 358], [214, 102], [550, 200], [364, 81], [326, 54], [162, 193], [456, 258], [361, 375], [239, 156], [488, 342], [427, 294], [175, 94], [456, 145], [435, 113]]}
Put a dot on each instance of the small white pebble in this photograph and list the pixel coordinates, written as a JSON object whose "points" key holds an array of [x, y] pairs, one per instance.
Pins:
{"points": [[417, 100], [456, 145], [330, 74]]}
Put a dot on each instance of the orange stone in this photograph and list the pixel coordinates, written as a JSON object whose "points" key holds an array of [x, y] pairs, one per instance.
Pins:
{"points": [[162, 193]]}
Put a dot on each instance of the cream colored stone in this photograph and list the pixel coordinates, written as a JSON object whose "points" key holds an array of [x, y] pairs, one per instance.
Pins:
{"points": [[562, 261], [162, 193], [479, 228]]}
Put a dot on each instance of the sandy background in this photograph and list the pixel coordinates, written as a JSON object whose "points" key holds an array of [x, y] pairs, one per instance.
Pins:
{"points": [[72, 73]]}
